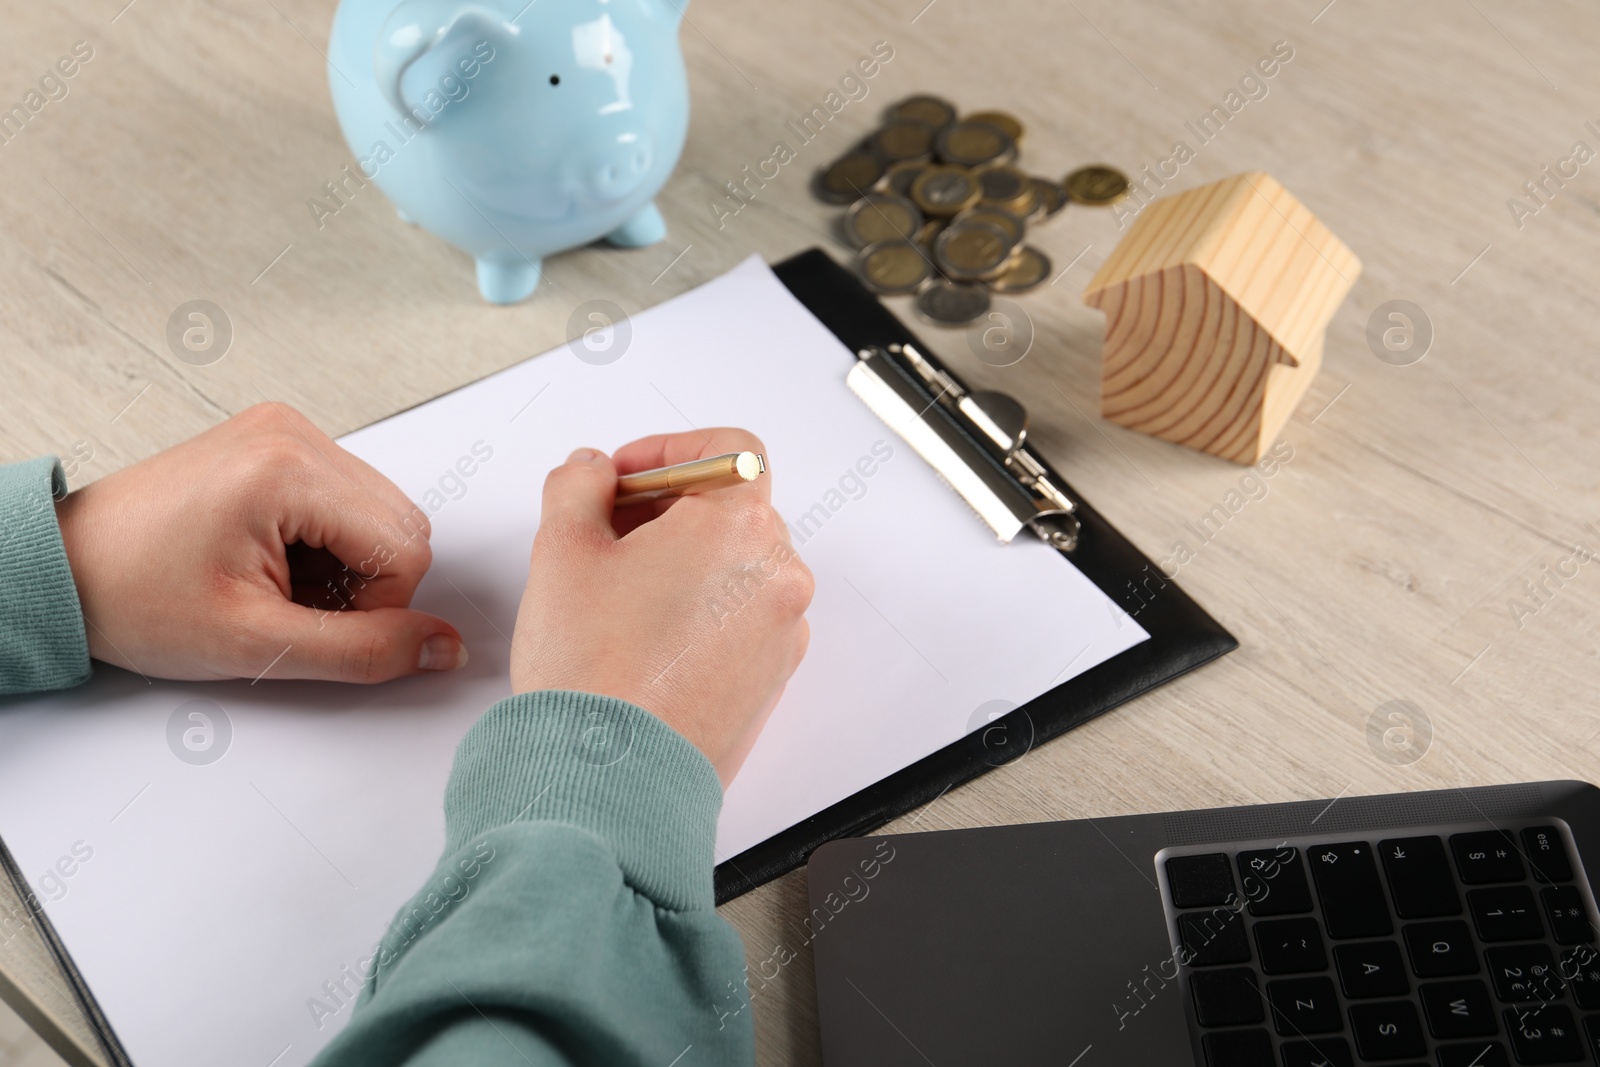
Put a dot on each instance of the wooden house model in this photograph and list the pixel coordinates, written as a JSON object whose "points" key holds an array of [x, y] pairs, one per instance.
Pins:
{"points": [[1216, 302]]}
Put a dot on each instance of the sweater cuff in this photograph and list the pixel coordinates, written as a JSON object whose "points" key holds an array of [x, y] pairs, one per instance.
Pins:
{"points": [[603, 765], [42, 641]]}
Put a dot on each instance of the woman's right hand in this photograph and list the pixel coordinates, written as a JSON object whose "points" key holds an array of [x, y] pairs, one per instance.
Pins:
{"points": [[693, 608]]}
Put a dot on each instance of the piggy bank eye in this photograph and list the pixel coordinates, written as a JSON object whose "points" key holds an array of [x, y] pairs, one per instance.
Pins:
{"points": [[555, 79]]}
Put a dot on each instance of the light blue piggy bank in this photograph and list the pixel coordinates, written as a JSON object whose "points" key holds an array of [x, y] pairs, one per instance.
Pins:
{"points": [[514, 128]]}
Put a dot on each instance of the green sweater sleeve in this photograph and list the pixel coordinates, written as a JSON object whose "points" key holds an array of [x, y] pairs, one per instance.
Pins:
{"points": [[571, 919], [42, 642]]}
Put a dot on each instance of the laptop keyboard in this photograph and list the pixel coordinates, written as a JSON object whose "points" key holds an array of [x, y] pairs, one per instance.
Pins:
{"points": [[1472, 948]]}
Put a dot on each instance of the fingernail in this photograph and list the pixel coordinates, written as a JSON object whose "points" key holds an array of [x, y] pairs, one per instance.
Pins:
{"points": [[442, 652], [583, 455]]}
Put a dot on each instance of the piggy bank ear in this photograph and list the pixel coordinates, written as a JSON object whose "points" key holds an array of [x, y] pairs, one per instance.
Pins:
{"points": [[416, 26]]}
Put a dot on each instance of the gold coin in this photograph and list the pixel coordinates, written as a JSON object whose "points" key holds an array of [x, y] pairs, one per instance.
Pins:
{"points": [[1027, 270], [930, 230], [930, 109], [953, 303], [1013, 226], [848, 177], [972, 251], [1097, 185], [1048, 198], [972, 144], [893, 268], [904, 139], [898, 178], [1007, 188], [882, 217], [945, 190], [1003, 119]]}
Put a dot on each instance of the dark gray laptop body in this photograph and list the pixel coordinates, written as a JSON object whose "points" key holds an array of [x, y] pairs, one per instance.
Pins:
{"points": [[1054, 943]]}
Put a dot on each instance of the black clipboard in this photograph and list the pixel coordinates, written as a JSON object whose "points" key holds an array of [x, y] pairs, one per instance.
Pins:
{"points": [[1182, 635]]}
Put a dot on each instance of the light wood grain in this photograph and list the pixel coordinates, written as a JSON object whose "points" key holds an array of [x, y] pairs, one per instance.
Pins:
{"points": [[1216, 302], [1381, 562]]}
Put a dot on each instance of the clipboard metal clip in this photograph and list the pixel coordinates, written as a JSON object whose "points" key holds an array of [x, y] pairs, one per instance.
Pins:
{"points": [[976, 441]]}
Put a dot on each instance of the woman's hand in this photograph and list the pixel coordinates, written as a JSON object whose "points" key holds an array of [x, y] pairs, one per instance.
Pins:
{"points": [[691, 608], [258, 549]]}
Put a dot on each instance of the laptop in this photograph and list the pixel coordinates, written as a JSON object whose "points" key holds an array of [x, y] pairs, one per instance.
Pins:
{"points": [[1454, 929]]}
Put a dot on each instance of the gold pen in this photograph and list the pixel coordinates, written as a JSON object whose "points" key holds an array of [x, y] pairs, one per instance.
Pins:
{"points": [[696, 476]]}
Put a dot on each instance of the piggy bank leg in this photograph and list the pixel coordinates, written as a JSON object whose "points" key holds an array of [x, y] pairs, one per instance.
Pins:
{"points": [[645, 227], [506, 280]]}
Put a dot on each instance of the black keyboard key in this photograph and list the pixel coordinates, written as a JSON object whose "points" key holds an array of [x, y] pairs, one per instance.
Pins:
{"points": [[1487, 856], [1419, 877], [1371, 969], [1547, 1034], [1304, 1006], [1291, 946], [1506, 913], [1591, 1026], [1274, 881], [1580, 967], [1323, 1052], [1441, 949], [1458, 1009], [1524, 974], [1547, 854], [1569, 920], [1227, 998], [1347, 884], [1388, 1031], [1209, 938], [1238, 1048], [1200, 881], [1476, 1054]]}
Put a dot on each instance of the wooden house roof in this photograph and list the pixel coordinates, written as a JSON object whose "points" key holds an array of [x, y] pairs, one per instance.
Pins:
{"points": [[1256, 242]]}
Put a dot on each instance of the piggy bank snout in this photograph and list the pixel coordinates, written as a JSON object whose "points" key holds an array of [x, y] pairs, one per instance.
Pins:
{"points": [[619, 169]]}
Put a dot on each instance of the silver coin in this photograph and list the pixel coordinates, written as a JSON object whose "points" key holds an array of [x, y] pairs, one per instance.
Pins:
{"points": [[902, 139], [930, 109], [1014, 227], [947, 188], [893, 268], [944, 190], [898, 178], [846, 178], [974, 144], [952, 303], [973, 251], [1027, 270], [882, 217], [1002, 184], [1049, 198]]}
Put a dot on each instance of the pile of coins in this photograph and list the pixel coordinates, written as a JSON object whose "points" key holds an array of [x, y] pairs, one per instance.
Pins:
{"points": [[940, 209]]}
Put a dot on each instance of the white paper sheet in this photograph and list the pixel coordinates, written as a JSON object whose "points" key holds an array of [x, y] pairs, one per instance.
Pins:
{"points": [[213, 906]]}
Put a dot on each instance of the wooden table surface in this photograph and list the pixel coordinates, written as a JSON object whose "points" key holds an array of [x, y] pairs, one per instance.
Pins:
{"points": [[1383, 562]]}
